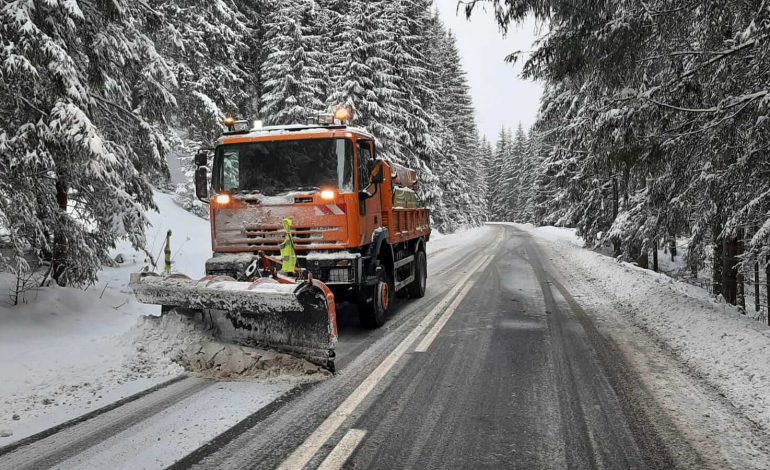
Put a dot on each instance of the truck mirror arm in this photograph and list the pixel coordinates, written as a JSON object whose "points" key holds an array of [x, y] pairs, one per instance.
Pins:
{"points": [[364, 195]]}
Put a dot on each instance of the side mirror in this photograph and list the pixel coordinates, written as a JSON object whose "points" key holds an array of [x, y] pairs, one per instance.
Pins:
{"points": [[202, 183], [201, 157]]}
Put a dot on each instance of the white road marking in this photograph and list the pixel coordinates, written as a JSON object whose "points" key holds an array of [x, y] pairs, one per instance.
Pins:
{"points": [[340, 454], [431, 335], [302, 454]]}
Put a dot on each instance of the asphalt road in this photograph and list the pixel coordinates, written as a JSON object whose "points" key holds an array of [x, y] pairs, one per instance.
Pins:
{"points": [[497, 367], [517, 377]]}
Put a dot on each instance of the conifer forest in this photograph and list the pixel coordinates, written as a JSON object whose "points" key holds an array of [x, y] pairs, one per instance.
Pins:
{"points": [[97, 94], [652, 133]]}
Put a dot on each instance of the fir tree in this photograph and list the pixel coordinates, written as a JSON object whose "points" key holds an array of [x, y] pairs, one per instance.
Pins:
{"points": [[293, 73], [84, 95], [365, 78]]}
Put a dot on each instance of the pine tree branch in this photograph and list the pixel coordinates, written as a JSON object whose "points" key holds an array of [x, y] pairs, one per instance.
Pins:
{"points": [[712, 125], [42, 113], [652, 12], [713, 109], [116, 106], [720, 56]]}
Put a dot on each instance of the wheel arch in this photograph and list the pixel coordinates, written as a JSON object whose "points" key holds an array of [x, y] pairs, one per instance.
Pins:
{"points": [[419, 245], [382, 251]]}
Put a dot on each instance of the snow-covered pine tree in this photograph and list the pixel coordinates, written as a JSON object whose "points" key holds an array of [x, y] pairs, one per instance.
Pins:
{"points": [[293, 72], [207, 44], [657, 140], [487, 173], [527, 177], [366, 76], [457, 134], [497, 174], [512, 173], [408, 22], [84, 96], [477, 182]]}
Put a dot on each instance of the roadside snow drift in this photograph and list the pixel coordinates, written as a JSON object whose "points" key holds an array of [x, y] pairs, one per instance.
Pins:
{"points": [[177, 338], [712, 338], [68, 351]]}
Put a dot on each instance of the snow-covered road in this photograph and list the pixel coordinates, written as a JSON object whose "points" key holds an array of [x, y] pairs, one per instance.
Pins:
{"points": [[87, 367], [528, 351]]}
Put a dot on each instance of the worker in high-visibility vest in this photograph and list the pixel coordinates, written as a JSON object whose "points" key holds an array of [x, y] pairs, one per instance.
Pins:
{"points": [[288, 254]]}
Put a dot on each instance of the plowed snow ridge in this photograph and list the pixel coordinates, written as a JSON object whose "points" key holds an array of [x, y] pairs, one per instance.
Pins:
{"points": [[177, 339]]}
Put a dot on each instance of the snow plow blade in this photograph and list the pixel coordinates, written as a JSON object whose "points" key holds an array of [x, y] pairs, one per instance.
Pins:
{"points": [[296, 318]]}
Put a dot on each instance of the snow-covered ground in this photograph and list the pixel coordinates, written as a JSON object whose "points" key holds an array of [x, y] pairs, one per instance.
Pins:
{"points": [[183, 427], [710, 337], [67, 351], [551, 233], [465, 236]]}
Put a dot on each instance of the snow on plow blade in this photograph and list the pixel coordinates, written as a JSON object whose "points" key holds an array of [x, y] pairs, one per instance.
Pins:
{"points": [[299, 319]]}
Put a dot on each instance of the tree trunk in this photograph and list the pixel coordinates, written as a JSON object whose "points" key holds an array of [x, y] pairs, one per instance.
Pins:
{"points": [[767, 280], [643, 258], [616, 247], [634, 251], [59, 258], [756, 286], [716, 268], [655, 256], [615, 202], [741, 301], [756, 279], [729, 273]]}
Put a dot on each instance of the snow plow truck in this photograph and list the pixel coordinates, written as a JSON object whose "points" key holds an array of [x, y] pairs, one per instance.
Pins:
{"points": [[348, 221]]}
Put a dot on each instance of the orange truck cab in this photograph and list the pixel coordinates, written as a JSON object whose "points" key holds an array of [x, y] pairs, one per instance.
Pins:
{"points": [[355, 221]]}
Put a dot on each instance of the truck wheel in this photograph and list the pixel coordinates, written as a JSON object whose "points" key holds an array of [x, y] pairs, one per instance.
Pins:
{"points": [[372, 314], [416, 288]]}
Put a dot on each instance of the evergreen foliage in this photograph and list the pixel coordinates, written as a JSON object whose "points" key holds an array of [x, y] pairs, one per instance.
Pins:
{"points": [[85, 96], [96, 94], [654, 126]]}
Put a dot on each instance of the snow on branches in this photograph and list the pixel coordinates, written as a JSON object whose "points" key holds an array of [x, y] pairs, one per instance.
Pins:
{"points": [[655, 117], [94, 96]]}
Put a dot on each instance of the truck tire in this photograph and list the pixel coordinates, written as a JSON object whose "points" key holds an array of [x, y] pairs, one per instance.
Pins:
{"points": [[372, 314], [416, 289]]}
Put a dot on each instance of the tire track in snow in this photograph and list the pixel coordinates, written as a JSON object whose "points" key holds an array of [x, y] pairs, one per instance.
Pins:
{"points": [[63, 445], [85, 417]]}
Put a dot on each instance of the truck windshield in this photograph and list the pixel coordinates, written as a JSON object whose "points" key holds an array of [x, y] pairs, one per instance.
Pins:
{"points": [[276, 167]]}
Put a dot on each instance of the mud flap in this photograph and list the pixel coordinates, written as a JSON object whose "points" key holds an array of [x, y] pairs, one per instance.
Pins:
{"points": [[299, 319]]}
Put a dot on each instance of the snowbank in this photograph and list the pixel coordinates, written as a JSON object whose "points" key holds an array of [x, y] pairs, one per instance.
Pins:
{"points": [[713, 339], [68, 351], [467, 236], [178, 339], [550, 233]]}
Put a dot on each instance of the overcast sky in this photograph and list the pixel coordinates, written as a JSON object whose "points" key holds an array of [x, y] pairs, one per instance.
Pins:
{"points": [[500, 96]]}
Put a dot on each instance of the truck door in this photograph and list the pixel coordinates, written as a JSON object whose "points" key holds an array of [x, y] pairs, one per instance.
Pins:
{"points": [[371, 216]]}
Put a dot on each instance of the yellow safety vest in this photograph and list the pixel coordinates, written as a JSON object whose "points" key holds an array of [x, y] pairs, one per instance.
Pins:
{"points": [[288, 255]]}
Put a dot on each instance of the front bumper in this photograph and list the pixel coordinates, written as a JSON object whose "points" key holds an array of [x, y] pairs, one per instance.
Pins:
{"points": [[332, 268]]}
